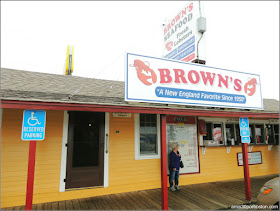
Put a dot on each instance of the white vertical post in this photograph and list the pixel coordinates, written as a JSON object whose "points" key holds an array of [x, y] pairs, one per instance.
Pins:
{"points": [[64, 152], [106, 150]]}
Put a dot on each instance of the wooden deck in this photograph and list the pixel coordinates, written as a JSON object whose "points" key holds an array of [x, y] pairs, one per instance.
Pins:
{"points": [[206, 196]]}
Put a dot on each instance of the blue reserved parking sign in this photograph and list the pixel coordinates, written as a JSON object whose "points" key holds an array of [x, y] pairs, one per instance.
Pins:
{"points": [[245, 139], [33, 125], [244, 127]]}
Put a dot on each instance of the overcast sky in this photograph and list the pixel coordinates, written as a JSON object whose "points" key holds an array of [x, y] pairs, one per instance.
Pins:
{"points": [[242, 36]]}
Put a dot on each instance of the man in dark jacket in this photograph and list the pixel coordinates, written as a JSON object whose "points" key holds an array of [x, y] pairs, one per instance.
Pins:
{"points": [[174, 166]]}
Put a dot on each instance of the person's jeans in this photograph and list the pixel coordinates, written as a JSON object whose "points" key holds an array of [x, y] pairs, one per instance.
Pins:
{"points": [[173, 175]]}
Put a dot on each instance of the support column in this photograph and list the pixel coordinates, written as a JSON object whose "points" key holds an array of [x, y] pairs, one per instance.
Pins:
{"points": [[246, 172], [164, 188], [30, 175]]}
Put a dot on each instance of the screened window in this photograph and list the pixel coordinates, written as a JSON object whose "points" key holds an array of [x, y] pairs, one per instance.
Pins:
{"points": [[276, 133], [209, 131], [214, 134], [230, 136], [237, 134], [252, 134], [218, 133], [270, 134], [259, 134]]}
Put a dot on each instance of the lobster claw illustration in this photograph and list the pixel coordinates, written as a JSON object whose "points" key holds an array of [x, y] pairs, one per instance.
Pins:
{"points": [[141, 69], [250, 87], [169, 45]]}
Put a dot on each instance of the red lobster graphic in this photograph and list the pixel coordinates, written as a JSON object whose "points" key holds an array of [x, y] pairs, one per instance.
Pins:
{"points": [[169, 45], [142, 72], [250, 87]]}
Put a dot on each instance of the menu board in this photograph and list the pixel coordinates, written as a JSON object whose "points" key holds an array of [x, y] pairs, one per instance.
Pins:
{"points": [[186, 136], [253, 158]]}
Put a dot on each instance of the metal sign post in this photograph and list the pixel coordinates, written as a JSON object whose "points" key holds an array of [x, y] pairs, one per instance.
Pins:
{"points": [[245, 138], [246, 172], [30, 175], [33, 130]]}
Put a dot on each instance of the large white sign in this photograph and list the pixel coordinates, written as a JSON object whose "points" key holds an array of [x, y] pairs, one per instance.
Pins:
{"points": [[157, 80], [181, 34]]}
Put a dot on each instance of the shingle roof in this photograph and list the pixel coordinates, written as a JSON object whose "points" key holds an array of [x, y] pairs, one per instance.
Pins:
{"points": [[34, 86]]}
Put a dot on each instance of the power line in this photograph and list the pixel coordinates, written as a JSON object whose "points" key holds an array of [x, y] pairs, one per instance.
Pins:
{"points": [[122, 54], [106, 67]]}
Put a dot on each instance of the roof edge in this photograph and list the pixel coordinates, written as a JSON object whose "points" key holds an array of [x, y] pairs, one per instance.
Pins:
{"points": [[130, 109]]}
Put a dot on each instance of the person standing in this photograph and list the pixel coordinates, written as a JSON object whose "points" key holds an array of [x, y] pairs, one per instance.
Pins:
{"points": [[174, 166]]}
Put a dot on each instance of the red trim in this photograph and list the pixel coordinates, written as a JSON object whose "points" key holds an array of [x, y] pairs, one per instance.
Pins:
{"points": [[30, 175], [164, 188], [198, 142], [129, 109], [246, 172], [180, 119]]}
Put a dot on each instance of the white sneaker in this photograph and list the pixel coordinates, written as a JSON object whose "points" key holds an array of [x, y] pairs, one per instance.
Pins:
{"points": [[173, 188], [177, 187]]}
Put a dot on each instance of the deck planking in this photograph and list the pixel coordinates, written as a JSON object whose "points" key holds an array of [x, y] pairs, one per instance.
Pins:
{"points": [[204, 196]]}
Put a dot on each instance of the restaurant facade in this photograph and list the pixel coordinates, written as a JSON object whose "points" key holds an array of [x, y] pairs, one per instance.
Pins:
{"points": [[98, 143]]}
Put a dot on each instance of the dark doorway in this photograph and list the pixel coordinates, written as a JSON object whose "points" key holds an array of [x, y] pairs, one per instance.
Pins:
{"points": [[85, 154]]}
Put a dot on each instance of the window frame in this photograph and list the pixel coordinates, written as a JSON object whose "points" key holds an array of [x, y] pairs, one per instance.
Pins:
{"points": [[276, 140], [234, 134], [252, 134], [138, 156], [263, 135], [212, 127], [273, 134]]}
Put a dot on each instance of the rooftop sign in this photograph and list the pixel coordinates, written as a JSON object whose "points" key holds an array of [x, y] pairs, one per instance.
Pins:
{"points": [[181, 34], [157, 80]]}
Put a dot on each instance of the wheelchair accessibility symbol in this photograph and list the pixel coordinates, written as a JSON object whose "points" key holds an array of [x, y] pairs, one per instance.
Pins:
{"points": [[32, 118], [243, 123], [33, 125]]}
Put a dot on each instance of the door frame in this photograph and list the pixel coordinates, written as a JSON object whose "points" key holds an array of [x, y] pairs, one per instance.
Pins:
{"points": [[64, 152]]}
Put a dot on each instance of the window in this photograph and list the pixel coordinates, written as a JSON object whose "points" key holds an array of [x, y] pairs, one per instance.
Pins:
{"points": [[217, 133], [259, 133], [214, 134], [270, 134], [252, 134], [147, 136], [237, 134], [227, 133], [276, 133], [230, 135], [209, 131]]}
